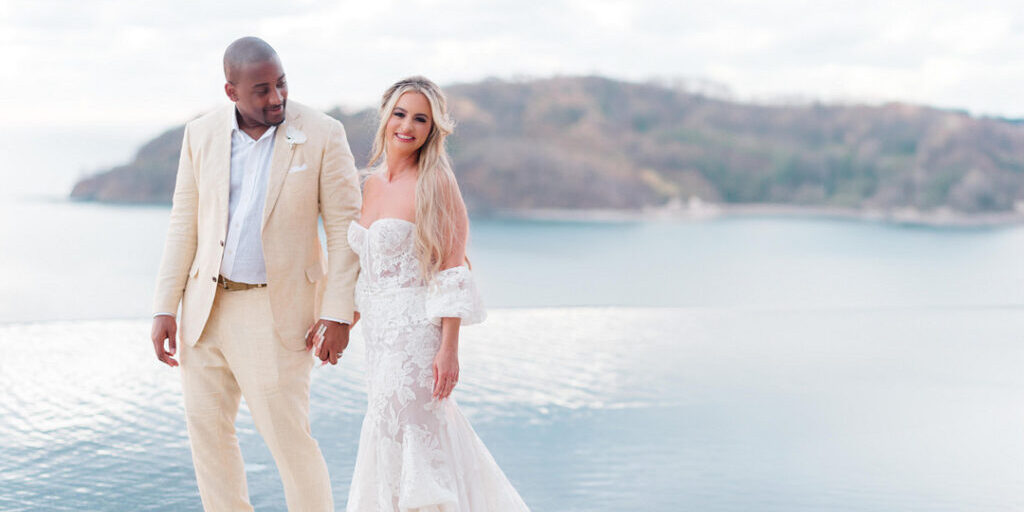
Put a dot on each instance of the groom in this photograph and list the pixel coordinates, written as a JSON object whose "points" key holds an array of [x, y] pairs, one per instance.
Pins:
{"points": [[243, 258]]}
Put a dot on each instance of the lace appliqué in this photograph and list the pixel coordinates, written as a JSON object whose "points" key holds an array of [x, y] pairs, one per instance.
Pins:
{"points": [[453, 293]]}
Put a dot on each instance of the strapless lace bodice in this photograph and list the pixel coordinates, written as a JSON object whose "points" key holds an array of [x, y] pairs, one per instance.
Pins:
{"points": [[386, 257], [388, 266]]}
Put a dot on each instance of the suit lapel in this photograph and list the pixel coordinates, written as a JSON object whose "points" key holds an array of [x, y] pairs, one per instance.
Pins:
{"points": [[220, 151], [279, 163]]}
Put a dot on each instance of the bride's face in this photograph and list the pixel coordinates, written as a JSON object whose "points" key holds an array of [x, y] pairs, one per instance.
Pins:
{"points": [[409, 124]]}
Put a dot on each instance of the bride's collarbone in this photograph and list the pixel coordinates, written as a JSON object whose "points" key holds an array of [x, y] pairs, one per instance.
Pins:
{"points": [[372, 215]]}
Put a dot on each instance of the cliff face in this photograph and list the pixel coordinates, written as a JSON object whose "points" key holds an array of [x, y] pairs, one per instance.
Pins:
{"points": [[148, 178], [590, 142]]}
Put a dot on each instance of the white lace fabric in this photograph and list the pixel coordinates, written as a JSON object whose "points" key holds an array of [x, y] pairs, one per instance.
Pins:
{"points": [[453, 293], [415, 453]]}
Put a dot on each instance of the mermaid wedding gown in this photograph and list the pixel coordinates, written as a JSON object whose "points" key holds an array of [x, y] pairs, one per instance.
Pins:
{"points": [[416, 453]]}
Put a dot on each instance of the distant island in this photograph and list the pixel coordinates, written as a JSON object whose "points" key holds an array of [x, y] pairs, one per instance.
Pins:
{"points": [[570, 144]]}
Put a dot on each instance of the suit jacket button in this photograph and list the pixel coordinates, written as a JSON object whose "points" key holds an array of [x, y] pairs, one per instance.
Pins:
{"points": [[214, 279], [222, 243]]}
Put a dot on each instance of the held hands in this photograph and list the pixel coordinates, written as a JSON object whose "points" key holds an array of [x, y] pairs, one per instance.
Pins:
{"points": [[446, 372], [164, 328], [329, 337]]}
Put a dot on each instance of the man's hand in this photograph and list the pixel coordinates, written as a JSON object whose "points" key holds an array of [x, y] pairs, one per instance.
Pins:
{"points": [[165, 328], [334, 337]]}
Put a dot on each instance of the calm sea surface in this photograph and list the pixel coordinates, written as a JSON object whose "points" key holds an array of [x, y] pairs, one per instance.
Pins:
{"points": [[739, 364]]}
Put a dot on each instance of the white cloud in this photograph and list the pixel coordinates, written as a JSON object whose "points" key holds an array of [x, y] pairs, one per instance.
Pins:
{"points": [[118, 63]]}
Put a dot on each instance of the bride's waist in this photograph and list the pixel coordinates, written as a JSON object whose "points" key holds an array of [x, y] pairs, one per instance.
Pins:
{"points": [[370, 291], [393, 303]]}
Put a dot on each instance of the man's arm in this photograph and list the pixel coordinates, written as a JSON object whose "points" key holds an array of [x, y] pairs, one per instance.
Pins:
{"points": [[179, 253], [340, 202]]}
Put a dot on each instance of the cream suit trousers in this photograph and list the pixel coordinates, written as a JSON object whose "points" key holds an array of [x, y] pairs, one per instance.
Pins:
{"points": [[239, 355]]}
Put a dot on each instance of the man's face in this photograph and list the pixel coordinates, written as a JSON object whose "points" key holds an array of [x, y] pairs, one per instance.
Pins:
{"points": [[260, 92]]}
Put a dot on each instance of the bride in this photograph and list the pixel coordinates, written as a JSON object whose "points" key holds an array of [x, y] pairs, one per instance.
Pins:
{"points": [[417, 452]]}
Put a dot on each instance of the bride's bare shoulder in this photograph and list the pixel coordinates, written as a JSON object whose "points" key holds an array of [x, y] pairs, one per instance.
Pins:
{"points": [[372, 184], [372, 179]]}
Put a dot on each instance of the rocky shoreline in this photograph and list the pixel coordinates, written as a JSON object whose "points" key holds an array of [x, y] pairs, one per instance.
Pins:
{"points": [[904, 216]]}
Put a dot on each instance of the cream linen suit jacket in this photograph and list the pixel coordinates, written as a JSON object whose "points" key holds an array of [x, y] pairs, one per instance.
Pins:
{"points": [[316, 177]]}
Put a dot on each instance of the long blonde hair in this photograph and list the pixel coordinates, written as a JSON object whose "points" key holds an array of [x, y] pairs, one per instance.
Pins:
{"points": [[437, 192]]}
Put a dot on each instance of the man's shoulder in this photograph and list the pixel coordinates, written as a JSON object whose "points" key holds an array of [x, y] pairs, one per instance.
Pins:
{"points": [[211, 120], [312, 117]]}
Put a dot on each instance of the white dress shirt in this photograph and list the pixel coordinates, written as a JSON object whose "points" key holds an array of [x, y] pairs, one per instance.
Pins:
{"points": [[250, 170]]}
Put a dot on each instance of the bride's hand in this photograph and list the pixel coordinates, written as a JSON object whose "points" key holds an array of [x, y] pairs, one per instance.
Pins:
{"points": [[446, 372]]}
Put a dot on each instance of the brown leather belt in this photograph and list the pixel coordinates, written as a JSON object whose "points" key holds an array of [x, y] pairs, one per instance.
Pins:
{"points": [[232, 286]]}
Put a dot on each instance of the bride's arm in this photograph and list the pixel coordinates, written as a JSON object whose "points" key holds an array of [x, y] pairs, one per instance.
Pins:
{"points": [[446, 362]]}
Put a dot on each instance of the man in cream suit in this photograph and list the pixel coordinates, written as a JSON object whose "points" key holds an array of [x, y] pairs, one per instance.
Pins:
{"points": [[243, 258]]}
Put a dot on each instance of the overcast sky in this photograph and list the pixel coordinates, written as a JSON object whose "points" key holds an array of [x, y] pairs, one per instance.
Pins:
{"points": [[157, 63]]}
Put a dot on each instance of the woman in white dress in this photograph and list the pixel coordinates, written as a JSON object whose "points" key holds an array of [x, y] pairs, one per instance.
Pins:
{"points": [[417, 452]]}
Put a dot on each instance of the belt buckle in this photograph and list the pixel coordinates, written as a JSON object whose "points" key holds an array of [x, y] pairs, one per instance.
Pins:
{"points": [[233, 286], [225, 283]]}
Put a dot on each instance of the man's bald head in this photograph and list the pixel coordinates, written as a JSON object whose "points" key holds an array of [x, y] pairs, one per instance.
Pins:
{"points": [[245, 52], [256, 83]]}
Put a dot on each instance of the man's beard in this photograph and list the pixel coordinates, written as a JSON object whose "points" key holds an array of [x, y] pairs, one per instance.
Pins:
{"points": [[267, 122]]}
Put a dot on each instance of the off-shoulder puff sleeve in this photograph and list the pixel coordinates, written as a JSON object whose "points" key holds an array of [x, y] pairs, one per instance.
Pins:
{"points": [[453, 293]]}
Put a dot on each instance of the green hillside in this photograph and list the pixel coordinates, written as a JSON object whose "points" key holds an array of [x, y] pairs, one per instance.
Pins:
{"points": [[591, 142]]}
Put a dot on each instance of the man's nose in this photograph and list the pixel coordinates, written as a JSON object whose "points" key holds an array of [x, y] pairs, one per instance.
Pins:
{"points": [[277, 97]]}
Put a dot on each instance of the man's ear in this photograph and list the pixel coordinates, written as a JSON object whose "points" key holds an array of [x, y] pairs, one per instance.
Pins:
{"points": [[229, 89]]}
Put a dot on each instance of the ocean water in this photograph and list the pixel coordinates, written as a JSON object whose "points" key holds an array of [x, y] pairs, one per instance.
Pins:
{"points": [[737, 364], [586, 409], [62, 260]]}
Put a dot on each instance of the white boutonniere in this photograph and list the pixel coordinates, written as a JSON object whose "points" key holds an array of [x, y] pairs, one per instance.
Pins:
{"points": [[294, 136]]}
